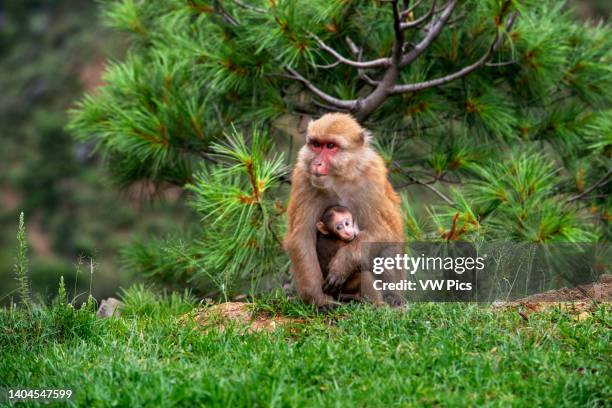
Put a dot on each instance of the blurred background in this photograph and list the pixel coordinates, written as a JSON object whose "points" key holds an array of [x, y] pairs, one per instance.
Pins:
{"points": [[50, 53]]}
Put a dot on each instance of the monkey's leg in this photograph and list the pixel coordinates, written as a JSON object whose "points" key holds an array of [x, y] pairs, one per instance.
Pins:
{"points": [[350, 290], [352, 284], [309, 288], [306, 271], [342, 267]]}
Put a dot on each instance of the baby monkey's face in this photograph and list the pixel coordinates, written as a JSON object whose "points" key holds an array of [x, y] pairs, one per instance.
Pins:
{"points": [[344, 227], [338, 222]]}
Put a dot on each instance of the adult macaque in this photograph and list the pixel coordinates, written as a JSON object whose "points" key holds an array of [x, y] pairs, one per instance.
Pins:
{"points": [[338, 166]]}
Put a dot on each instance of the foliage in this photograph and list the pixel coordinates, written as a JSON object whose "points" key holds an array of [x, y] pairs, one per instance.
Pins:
{"points": [[41, 325], [36, 321], [499, 108], [21, 264], [358, 356], [139, 300], [240, 241]]}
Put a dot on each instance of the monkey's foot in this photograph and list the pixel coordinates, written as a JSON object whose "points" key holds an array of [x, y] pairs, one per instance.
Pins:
{"points": [[343, 297], [328, 307], [333, 283]]}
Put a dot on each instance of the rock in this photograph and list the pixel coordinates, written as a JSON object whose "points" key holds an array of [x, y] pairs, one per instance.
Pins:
{"points": [[109, 307]]}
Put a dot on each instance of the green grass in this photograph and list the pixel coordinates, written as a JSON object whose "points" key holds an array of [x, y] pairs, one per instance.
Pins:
{"points": [[431, 354]]}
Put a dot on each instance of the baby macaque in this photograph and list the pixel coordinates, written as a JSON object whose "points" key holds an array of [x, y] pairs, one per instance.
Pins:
{"points": [[336, 229]]}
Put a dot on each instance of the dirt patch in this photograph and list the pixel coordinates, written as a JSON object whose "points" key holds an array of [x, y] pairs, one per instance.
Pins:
{"points": [[579, 301], [240, 314]]}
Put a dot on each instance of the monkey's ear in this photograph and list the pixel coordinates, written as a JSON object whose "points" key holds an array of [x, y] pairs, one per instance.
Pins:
{"points": [[365, 137], [308, 126], [321, 228]]}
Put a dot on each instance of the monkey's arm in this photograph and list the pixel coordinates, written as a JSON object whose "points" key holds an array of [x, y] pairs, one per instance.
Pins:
{"points": [[326, 250], [346, 261]]}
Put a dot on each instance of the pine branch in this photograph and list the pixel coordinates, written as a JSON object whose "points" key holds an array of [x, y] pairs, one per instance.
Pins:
{"points": [[432, 34], [500, 64], [399, 34], [420, 20], [327, 66], [249, 7], [363, 107], [369, 80], [428, 186], [226, 16], [379, 95], [399, 89], [339, 103], [358, 52], [601, 182], [377, 63], [433, 189], [406, 12]]}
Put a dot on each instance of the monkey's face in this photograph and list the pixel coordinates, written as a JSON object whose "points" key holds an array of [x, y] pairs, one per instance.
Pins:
{"points": [[344, 227], [329, 158], [323, 153], [321, 164], [338, 223], [334, 145]]}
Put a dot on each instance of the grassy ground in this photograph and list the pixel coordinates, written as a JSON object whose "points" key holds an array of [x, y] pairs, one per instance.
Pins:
{"points": [[431, 354]]}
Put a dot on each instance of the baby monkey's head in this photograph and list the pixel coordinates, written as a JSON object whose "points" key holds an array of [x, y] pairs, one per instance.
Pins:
{"points": [[338, 221]]}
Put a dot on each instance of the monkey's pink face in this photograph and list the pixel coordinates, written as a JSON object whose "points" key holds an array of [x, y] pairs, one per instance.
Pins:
{"points": [[324, 151], [346, 229]]}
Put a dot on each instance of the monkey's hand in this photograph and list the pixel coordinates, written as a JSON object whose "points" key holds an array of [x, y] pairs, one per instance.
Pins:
{"points": [[340, 268]]}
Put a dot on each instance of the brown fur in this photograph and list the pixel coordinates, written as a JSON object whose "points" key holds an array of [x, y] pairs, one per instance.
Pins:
{"points": [[357, 180], [328, 246]]}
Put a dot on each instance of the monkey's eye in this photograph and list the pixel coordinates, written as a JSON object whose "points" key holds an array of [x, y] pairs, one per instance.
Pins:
{"points": [[331, 145], [346, 223], [339, 227], [316, 144]]}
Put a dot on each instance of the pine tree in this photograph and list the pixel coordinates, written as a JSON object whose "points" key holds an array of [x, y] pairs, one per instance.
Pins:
{"points": [[500, 108]]}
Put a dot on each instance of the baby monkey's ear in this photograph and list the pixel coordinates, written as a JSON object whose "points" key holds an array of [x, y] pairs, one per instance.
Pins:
{"points": [[321, 227]]}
